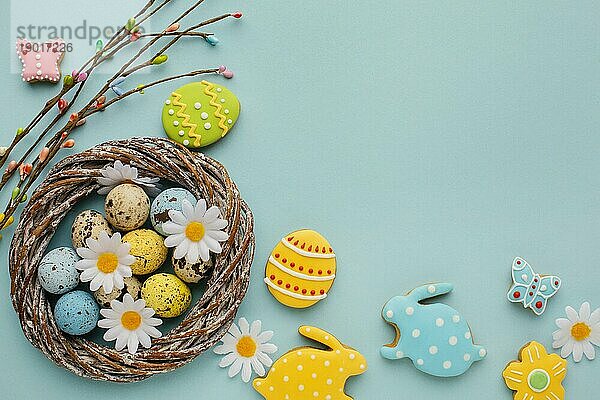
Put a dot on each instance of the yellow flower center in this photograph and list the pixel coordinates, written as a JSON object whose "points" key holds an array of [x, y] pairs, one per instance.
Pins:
{"points": [[107, 262], [131, 320], [246, 347], [194, 231], [580, 331]]}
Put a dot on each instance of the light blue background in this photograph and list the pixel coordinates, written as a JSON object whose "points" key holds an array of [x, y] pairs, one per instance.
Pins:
{"points": [[427, 140]]}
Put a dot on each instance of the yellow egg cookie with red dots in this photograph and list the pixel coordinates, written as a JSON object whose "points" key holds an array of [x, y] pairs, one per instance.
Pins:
{"points": [[301, 269]]}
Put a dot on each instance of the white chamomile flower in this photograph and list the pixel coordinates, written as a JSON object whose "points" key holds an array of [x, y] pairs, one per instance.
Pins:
{"points": [[121, 173], [578, 333], [130, 323], [105, 262], [246, 349], [195, 231]]}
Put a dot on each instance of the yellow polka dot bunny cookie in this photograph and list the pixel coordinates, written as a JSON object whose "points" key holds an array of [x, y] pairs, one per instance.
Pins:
{"points": [[310, 373]]}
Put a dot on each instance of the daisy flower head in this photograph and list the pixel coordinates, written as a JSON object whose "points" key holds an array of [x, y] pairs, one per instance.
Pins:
{"points": [[578, 333], [246, 348], [130, 323], [105, 262], [195, 231], [113, 176]]}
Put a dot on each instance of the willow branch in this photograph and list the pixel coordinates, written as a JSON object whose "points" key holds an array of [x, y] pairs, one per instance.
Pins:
{"points": [[201, 34], [55, 144], [96, 60], [151, 84], [30, 172], [64, 90]]}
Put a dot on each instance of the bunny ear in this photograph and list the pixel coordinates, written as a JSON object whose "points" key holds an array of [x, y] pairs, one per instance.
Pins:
{"points": [[429, 291], [321, 336]]}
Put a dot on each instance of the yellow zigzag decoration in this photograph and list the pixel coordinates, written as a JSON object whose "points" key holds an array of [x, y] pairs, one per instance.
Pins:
{"points": [[218, 106], [186, 120]]}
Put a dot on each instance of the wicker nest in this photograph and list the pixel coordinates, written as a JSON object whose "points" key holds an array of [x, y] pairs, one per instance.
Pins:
{"points": [[206, 322]]}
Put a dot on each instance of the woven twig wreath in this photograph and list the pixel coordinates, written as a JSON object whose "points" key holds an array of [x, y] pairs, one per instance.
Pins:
{"points": [[206, 322]]}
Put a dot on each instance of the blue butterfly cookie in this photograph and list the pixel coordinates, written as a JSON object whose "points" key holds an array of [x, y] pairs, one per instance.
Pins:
{"points": [[531, 289], [434, 336]]}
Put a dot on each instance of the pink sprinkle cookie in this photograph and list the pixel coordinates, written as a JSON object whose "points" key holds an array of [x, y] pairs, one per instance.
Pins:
{"points": [[41, 61]]}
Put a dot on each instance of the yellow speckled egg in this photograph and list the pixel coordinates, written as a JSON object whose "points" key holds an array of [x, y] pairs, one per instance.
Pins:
{"points": [[301, 269], [167, 295], [149, 250], [88, 224], [127, 207]]}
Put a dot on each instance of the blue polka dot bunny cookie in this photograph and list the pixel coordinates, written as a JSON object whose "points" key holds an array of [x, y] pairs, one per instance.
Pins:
{"points": [[434, 336]]}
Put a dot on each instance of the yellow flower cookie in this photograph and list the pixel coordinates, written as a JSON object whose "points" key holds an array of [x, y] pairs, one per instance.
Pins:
{"points": [[537, 375], [301, 269], [308, 373]]}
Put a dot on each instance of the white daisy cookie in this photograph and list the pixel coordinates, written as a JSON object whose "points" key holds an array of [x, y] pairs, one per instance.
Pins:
{"points": [[118, 173], [130, 323], [105, 262], [578, 333], [195, 231], [246, 348]]}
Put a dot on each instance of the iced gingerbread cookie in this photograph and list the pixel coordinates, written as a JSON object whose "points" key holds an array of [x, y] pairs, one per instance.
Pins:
{"points": [[200, 113], [308, 373], [434, 336], [531, 289], [301, 269], [537, 375], [41, 61]]}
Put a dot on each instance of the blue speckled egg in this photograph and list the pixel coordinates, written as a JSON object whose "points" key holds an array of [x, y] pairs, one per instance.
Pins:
{"points": [[57, 273], [76, 313], [169, 199]]}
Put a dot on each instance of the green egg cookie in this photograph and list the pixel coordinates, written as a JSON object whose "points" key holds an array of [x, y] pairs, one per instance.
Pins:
{"points": [[200, 113]]}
